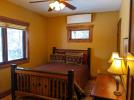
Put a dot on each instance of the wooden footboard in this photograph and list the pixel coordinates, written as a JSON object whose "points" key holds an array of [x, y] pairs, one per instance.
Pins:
{"points": [[50, 86]]}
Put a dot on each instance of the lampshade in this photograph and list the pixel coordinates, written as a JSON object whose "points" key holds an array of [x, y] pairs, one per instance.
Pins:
{"points": [[114, 55], [130, 62], [117, 67], [130, 57]]}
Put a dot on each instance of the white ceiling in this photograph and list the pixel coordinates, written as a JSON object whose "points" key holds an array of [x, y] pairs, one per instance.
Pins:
{"points": [[83, 6]]}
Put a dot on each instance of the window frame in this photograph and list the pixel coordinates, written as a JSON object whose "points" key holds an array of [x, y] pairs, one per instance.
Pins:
{"points": [[25, 58], [79, 28]]}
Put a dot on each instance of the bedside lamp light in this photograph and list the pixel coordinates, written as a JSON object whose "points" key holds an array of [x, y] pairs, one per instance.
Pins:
{"points": [[114, 55], [117, 68], [130, 57], [130, 62]]}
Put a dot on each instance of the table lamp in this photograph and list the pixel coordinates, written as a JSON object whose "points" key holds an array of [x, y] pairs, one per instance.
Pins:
{"points": [[114, 55], [117, 68]]}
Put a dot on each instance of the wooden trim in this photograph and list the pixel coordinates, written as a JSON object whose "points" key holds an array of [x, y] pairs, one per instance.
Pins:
{"points": [[13, 21], [69, 50], [4, 42], [118, 35], [24, 70], [41, 73], [131, 22], [80, 27], [130, 18], [5, 93], [24, 44], [18, 62], [27, 45]]}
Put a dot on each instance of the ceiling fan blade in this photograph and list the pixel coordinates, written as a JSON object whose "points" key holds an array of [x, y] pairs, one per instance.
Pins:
{"points": [[38, 1], [65, 0], [68, 5]]}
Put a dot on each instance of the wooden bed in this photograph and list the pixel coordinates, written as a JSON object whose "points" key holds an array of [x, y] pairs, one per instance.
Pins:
{"points": [[48, 85]]}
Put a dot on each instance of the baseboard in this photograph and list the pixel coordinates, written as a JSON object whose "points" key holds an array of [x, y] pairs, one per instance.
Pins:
{"points": [[5, 93]]}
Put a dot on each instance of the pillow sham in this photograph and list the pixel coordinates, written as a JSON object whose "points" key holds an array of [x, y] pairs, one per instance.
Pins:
{"points": [[57, 58], [74, 59]]}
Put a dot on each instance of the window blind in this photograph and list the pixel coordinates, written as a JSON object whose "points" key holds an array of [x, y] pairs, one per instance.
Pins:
{"points": [[13, 23], [10, 25]]}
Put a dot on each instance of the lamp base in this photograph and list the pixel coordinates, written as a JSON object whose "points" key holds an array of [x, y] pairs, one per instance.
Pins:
{"points": [[117, 93]]}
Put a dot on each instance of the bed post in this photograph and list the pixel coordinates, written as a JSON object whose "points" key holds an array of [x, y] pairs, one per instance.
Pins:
{"points": [[54, 49], [89, 60], [13, 80], [70, 85]]}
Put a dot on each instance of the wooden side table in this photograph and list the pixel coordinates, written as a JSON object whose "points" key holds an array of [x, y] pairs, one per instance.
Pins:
{"points": [[104, 88]]}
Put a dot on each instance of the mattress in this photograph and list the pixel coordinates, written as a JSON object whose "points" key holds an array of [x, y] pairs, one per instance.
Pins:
{"points": [[81, 72]]}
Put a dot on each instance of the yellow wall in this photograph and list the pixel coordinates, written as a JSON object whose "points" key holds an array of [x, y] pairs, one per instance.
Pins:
{"points": [[104, 38], [37, 38], [124, 15]]}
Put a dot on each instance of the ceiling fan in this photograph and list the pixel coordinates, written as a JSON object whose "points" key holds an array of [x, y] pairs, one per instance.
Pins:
{"points": [[56, 4]]}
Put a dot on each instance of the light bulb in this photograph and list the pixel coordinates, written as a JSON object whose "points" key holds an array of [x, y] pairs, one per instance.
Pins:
{"points": [[62, 5], [51, 5], [56, 3], [57, 8], [117, 63]]}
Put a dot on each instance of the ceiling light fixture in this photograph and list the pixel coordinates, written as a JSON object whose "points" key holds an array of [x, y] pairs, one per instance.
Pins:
{"points": [[56, 6]]}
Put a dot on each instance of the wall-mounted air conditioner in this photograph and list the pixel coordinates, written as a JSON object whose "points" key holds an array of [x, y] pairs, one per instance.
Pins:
{"points": [[76, 19]]}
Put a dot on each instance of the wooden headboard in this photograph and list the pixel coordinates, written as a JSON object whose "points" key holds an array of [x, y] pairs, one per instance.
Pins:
{"points": [[86, 54]]}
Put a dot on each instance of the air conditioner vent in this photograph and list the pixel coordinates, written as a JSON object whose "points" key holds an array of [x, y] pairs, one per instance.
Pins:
{"points": [[75, 19]]}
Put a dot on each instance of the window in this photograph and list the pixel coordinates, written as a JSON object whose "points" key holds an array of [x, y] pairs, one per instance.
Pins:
{"points": [[82, 34], [15, 44], [13, 41], [79, 33]]}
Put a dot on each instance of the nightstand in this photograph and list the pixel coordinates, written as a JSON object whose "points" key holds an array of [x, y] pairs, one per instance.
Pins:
{"points": [[104, 88]]}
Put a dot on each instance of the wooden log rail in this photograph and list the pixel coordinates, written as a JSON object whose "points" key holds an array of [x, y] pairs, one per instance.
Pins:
{"points": [[50, 86]]}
